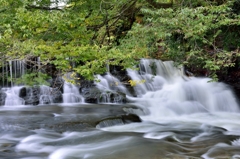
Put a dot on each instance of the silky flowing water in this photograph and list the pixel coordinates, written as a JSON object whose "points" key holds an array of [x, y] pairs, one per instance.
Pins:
{"points": [[182, 117]]}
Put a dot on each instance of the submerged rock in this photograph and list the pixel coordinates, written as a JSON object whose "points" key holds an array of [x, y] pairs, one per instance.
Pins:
{"points": [[118, 120], [70, 126]]}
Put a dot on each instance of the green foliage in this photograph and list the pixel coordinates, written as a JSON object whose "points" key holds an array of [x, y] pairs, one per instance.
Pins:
{"points": [[78, 36], [32, 79], [85, 36], [199, 35]]}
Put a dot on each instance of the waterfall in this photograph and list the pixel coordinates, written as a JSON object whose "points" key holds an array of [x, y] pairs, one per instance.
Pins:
{"points": [[71, 94], [167, 92], [13, 96], [45, 95], [110, 85], [16, 69], [11, 72]]}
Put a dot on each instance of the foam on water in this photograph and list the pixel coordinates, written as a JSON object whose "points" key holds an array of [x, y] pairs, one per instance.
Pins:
{"points": [[170, 101]]}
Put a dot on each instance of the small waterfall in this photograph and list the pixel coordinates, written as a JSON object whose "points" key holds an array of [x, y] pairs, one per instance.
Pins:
{"points": [[12, 70], [13, 96], [110, 85], [167, 92], [16, 69], [45, 95], [71, 94]]}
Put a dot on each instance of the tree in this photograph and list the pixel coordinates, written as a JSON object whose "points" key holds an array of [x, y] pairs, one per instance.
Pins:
{"points": [[200, 34], [85, 36], [74, 33]]}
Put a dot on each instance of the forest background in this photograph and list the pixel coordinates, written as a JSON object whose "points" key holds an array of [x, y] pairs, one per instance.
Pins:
{"points": [[83, 36]]}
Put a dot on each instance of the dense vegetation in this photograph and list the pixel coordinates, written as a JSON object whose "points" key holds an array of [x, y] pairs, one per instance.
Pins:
{"points": [[83, 36]]}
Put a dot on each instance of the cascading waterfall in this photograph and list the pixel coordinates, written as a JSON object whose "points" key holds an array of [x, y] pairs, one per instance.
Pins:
{"points": [[13, 96], [177, 117], [14, 69], [71, 94], [167, 92], [109, 84], [11, 70], [45, 95]]}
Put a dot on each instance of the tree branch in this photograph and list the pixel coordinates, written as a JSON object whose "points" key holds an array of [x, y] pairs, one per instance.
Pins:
{"points": [[160, 5]]}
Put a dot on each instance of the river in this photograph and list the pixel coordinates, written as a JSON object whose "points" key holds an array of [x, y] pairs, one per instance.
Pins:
{"points": [[181, 117]]}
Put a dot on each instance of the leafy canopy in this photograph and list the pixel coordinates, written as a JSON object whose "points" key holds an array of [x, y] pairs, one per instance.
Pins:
{"points": [[85, 36]]}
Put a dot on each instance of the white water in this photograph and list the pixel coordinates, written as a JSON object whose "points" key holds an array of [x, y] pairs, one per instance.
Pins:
{"points": [[178, 102], [13, 98], [180, 114], [45, 95], [170, 93], [71, 94], [109, 84]]}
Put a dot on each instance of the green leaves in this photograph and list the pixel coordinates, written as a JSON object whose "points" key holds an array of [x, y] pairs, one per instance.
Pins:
{"points": [[32, 79], [85, 36], [195, 36]]}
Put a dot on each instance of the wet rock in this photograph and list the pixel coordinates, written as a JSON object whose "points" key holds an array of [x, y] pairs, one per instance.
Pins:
{"points": [[70, 126], [3, 96], [119, 73], [118, 120], [112, 97], [32, 96], [90, 94], [57, 83], [23, 92], [129, 118], [94, 95], [118, 97], [56, 96]]}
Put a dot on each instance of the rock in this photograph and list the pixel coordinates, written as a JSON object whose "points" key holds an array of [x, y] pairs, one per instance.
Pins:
{"points": [[23, 92], [70, 126], [57, 96], [32, 95], [118, 120], [119, 73], [57, 83], [90, 94], [129, 118], [94, 95], [3, 96]]}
